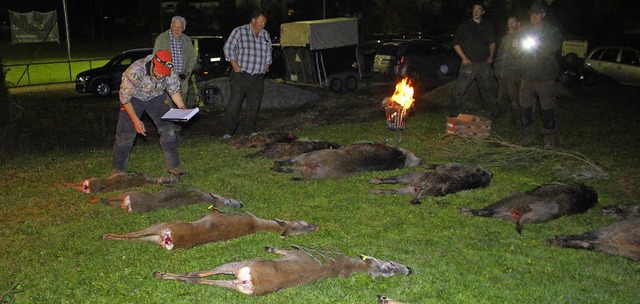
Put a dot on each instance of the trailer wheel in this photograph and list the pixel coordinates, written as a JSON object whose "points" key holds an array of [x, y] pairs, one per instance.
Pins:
{"points": [[335, 85], [351, 83]]}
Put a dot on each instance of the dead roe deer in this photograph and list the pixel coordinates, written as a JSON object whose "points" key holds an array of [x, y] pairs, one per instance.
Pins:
{"points": [[140, 201], [621, 239], [214, 227], [542, 204], [298, 266], [118, 182]]}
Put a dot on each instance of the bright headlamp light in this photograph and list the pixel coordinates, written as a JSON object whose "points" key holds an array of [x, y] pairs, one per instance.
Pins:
{"points": [[529, 43]]}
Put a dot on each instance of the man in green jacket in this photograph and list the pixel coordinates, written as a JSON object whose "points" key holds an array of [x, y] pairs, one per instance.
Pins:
{"points": [[181, 48]]}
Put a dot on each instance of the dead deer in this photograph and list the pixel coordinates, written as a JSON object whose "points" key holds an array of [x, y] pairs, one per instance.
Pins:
{"points": [[118, 182], [542, 204], [214, 227], [262, 139], [445, 179], [285, 150], [299, 266], [621, 239], [140, 201], [348, 160]]}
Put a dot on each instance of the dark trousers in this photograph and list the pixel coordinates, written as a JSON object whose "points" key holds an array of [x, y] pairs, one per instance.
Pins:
{"points": [[243, 86], [482, 73], [126, 132]]}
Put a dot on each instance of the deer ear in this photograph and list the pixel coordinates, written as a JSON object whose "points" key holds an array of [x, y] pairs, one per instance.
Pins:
{"points": [[280, 222]]}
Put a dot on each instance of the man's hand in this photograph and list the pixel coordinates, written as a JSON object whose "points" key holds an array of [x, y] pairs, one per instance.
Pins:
{"points": [[139, 125]]}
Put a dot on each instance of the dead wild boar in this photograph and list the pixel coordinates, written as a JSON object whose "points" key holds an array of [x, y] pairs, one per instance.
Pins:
{"points": [[286, 150], [542, 204], [262, 139], [215, 227], [348, 160], [621, 239], [140, 201], [297, 267], [445, 179], [118, 182], [621, 211]]}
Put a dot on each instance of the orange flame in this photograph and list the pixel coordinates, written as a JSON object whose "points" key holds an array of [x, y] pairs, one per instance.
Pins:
{"points": [[397, 106]]}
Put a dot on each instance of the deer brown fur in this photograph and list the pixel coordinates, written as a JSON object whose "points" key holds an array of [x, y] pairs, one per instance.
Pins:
{"points": [[140, 201], [297, 267], [214, 227]]}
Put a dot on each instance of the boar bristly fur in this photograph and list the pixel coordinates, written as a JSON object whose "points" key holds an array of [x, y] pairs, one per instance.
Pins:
{"points": [[621, 239], [542, 204], [286, 150], [348, 160], [445, 179]]}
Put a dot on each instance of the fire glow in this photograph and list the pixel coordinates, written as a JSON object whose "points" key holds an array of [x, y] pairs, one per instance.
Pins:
{"points": [[397, 106]]}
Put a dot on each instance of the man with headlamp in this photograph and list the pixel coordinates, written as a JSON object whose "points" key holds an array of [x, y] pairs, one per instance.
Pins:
{"points": [[539, 45], [143, 90]]}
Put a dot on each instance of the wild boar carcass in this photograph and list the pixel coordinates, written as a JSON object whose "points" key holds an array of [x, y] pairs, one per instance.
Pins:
{"points": [[445, 179], [542, 204], [119, 181], [348, 160], [286, 150], [262, 139], [621, 239]]}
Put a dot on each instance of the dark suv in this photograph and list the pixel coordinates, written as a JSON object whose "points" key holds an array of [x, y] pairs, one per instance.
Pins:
{"points": [[425, 59], [211, 62], [105, 79]]}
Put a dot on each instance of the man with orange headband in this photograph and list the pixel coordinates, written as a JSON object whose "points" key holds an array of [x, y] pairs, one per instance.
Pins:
{"points": [[142, 90]]}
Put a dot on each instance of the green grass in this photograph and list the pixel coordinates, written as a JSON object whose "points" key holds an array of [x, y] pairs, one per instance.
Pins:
{"points": [[50, 235]]}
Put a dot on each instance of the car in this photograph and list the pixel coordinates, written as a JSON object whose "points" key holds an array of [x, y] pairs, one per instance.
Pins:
{"points": [[426, 59], [210, 57], [106, 79], [619, 63], [386, 57]]}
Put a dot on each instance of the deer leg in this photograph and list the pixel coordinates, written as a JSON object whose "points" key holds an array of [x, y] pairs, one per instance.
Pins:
{"points": [[277, 251], [229, 268], [405, 190], [147, 234]]}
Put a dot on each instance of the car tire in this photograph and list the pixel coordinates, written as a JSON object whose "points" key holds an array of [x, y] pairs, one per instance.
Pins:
{"points": [[414, 75], [351, 83], [335, 85], [103, 88], [589, 79]]}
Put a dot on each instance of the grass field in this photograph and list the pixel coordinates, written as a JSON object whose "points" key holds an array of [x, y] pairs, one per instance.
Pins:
{"points": [[51, 247]]}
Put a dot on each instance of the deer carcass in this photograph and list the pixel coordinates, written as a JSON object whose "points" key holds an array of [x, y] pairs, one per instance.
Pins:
{"points": [[214, 227], [621, 239], [140, 201], [445, 179], [621, 211], [542, 204], [298, 266], [348, 160], [118, 182], [262, 139], [285, 150]]}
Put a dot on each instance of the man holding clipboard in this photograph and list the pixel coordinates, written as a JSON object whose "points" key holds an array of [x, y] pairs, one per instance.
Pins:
{"points": [[142, 90]]}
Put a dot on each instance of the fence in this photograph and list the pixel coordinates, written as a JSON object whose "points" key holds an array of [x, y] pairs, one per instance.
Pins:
{"points": [[48, 72]]}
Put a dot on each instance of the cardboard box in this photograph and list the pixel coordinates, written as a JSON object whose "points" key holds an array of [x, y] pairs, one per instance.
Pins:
{"points": [[467, 125]]}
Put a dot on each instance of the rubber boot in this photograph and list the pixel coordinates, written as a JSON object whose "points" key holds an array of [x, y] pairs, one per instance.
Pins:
{"points": [[549, 128], [528, 135]]}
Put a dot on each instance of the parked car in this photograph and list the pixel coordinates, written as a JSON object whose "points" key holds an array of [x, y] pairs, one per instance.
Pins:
{"points": [[424, 59], [105, 79], [620, 63], [386, 57], [210, 56]]}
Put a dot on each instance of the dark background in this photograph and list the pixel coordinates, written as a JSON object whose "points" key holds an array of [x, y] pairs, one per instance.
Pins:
{"points": [[601, 21]]}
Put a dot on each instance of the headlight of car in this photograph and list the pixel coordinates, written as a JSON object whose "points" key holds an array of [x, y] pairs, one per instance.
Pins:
{"points": [[215, 59], [83, 78]]}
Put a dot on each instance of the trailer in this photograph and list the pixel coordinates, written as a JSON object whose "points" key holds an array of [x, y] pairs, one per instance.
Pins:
{"points": [[322, 53]]}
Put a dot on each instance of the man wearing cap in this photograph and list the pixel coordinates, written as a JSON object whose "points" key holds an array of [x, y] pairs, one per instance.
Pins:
{"points": [[539, 44], [143, 90], [248, 49], [475, 43], [183, 55]]}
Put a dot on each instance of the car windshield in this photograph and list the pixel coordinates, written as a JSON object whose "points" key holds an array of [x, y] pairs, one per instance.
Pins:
{"points": [[388, 49]]}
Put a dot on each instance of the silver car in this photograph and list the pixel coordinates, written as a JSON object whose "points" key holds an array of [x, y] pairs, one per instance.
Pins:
{"points": [[622, 64]]}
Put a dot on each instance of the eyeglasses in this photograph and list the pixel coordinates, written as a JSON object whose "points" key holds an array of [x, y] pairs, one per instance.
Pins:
{"points": [[165, 63]]}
